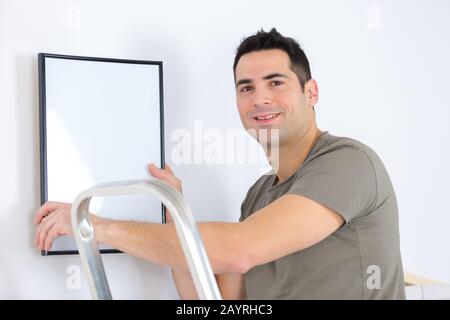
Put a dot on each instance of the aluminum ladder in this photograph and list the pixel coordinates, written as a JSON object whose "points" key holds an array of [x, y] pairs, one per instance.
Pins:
{"points": [[187, 231]]}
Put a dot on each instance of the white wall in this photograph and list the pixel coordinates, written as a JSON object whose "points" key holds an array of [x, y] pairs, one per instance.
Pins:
{"points": [[383, 73]]}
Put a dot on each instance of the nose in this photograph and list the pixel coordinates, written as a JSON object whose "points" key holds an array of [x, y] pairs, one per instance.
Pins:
{"points": [[261, 97]]}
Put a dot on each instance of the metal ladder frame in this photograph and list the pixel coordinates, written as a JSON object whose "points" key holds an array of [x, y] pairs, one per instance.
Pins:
{"points": [[186, 227]]}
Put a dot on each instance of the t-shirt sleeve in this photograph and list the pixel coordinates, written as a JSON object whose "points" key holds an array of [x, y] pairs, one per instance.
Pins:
{"points": [[343, 180], [242, 216], [244, 210]]}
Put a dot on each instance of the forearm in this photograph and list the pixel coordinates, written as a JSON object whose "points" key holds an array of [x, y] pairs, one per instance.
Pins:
{"points": [[158, 243], [231, 286], [185, 284]]}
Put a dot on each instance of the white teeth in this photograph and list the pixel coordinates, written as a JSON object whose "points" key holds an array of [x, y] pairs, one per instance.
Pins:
{"points": [[267, 117]]}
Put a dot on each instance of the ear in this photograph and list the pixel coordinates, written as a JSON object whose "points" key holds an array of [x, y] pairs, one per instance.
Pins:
{"points": [[311, 92]]}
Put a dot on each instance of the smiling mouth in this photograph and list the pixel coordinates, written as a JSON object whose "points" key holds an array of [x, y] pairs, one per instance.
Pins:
{"points": [[263, 118]]}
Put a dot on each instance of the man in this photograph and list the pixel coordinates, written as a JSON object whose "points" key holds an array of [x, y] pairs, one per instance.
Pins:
{"points": [[324, 226]]}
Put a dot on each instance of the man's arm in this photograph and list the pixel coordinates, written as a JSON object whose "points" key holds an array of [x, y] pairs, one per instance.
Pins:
{"points": [[54, 220], [185, 284], [231, 286], [287, 225], [159, 243]]}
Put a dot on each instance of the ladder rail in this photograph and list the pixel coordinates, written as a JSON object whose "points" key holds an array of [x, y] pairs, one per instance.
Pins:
{"points": [[186, 228]]}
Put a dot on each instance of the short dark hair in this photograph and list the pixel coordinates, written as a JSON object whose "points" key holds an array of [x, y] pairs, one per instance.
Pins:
{"points": [[274, 40]]}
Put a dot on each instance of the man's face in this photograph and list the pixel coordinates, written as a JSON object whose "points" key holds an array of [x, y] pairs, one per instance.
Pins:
{"points": [[269, 95]]}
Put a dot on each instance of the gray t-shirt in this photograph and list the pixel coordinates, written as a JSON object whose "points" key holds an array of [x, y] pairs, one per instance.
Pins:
{"points": [[360, 260]]}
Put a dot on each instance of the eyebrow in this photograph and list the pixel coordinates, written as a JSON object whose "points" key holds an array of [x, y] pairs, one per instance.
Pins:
{"points": [[268, 77]]}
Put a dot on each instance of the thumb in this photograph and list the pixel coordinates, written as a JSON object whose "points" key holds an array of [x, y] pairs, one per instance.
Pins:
{"points": [[168, 168], [165, 175], [156, 172]]}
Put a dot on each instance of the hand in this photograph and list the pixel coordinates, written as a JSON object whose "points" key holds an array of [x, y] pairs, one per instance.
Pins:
{"points": [[168, 176], [54, 220]]}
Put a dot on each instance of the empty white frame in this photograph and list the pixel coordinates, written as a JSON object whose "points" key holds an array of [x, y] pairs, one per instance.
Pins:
{"points": [[101, 120]]}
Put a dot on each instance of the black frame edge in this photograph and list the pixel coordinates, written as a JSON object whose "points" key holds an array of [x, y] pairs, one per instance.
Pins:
{"points": [[43, 135]]}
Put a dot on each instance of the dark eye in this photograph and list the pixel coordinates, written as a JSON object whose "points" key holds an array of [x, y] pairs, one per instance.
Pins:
{"points": [[246, 88], [276, 83]]}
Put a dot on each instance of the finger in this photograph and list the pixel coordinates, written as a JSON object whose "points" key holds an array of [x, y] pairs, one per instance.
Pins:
{"points": [[165, 175], [168, 216], [161, 174], [168, 168], [51, 235], [36, 235], [40, 233], [39, 228], [45, 209], [156, 172], [45, 228]]}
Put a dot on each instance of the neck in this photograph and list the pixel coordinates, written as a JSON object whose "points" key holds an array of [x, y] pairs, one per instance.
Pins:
{"points": [[292, 154]]}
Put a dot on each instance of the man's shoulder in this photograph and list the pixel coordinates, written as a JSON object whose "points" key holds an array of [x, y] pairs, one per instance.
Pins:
{"points": [[330, 145], [334, 142], [349, 154]]}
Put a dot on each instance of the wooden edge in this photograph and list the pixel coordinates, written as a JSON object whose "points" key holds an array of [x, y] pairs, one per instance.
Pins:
{"points": [[415, 280]]}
